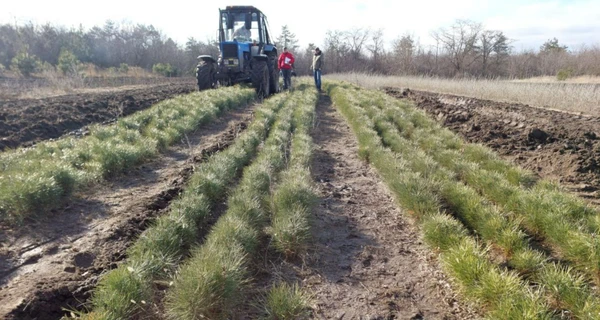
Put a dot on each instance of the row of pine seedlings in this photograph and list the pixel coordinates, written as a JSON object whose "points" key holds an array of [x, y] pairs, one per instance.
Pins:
{"points": [[518, 247], [211, 283], [204, 268], [35, 180]]}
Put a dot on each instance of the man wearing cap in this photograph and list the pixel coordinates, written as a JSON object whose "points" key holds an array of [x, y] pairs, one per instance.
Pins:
{"points": [[286, 65]]}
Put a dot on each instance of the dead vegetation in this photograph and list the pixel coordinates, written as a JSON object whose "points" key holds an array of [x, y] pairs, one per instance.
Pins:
{"points": [[573, 97]]}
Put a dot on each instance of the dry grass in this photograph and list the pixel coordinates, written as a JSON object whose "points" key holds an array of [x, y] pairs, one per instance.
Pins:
{"points": [[551, 79], [572, 97], [51, 83], [91, 70]]}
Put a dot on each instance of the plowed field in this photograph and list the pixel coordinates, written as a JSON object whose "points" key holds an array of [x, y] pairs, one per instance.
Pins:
{"points": [[366, 257], [558, 145]]}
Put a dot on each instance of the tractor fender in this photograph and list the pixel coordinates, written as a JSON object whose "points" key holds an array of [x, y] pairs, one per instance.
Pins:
{"points": [[206, 58], [261, 57]]}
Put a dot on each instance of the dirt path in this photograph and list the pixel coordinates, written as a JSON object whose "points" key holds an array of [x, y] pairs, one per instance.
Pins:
{"points": [[556, 145], [368, 260], [54, 264]]}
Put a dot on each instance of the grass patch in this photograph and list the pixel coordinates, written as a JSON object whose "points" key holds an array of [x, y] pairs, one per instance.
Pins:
{"points": [[36, 180], [286, 302], [119, 294]]}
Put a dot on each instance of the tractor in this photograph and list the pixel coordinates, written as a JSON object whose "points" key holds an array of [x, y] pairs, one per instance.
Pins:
{"points": [[247, 53]]}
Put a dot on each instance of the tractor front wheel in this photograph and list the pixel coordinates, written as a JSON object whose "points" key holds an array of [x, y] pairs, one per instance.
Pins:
{"points": [[205, 74], [260, 78]]}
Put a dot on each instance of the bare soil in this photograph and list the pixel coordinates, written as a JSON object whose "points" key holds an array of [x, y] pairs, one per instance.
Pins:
{"points": [[369, 261], [561, 146], [24, 122], [53, 264]]}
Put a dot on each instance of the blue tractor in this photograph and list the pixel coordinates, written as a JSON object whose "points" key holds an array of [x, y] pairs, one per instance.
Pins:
{"points": [[247, 53]]}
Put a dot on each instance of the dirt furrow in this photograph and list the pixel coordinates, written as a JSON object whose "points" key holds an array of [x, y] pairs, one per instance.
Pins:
{"points": [[557, 145], [368, 260], [53, 264], [24, 122]]}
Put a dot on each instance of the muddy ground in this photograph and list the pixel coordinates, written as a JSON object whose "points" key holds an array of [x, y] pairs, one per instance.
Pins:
{"points": [[24, 122], [557, 145]]}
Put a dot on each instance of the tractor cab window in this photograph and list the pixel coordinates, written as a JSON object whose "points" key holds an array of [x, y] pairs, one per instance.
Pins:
{"points": [[238, 32]]}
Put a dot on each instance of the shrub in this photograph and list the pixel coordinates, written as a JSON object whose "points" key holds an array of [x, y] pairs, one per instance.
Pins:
{"points": [[564, 74], [285, 301], [25, 64], [68, 62], [166, 69], [124, 68]]}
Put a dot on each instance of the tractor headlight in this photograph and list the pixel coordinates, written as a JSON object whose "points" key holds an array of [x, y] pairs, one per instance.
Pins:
{"points": [[232, 62]]}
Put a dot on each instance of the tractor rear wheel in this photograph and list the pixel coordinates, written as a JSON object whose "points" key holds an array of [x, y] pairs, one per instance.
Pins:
{"points": [[260, 78], [274, 80], [205, 74]]}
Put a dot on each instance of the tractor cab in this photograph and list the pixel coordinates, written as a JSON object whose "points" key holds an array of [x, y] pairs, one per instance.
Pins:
{"points": [[246, 48], [235, 28], [243, 24], [243, 35]]}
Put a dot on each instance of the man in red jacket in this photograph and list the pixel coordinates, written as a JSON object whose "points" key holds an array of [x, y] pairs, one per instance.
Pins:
{"points": [[286, 65]]}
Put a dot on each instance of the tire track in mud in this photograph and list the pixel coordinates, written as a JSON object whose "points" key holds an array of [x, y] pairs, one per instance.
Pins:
{"points": [[556, 145], [60, 261]]}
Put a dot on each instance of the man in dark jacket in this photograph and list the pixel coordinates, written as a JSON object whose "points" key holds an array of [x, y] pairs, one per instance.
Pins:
{"points": [[286, 65], [316, 67]]}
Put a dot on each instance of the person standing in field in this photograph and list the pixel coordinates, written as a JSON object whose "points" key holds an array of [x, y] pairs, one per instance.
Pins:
{"points": [[317, 66], [286, 65]]}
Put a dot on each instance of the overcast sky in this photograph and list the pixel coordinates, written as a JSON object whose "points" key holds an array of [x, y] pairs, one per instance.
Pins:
{"points": [[528, 22]]}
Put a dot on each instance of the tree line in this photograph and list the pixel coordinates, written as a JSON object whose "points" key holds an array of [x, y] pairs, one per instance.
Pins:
{"points": [[465, 49], [110, 46]]}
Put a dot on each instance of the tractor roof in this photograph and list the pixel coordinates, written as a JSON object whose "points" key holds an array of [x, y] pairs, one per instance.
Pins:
{"points": [[241, 8]]}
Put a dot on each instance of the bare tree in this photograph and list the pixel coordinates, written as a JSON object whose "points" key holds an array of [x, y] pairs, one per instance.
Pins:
{"points": [[460, 43], [336, 51], [356, 39], [404, 52], [553, 57], [524, 65], [587, 60], [304, 59], [376, 49], [493, 44]]}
